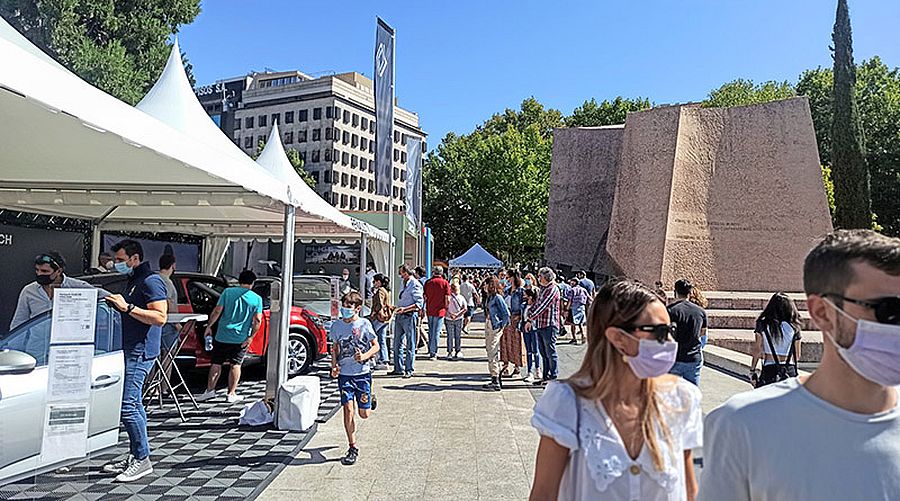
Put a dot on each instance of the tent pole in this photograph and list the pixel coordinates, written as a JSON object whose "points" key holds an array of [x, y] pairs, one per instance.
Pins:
{"points": [[278, 338], [362, 265]]}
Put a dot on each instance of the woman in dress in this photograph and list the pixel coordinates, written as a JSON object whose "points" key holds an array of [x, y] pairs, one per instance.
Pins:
{"points": [[512, 350], [777, 326], [620, 427]]}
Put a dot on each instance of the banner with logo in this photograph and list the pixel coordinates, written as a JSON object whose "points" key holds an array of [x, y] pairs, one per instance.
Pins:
{"points": [[413, 176], [384, 108]]}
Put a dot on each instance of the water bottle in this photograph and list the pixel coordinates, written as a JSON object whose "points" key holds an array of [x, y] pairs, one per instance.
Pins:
{"points": [[208, 345]]}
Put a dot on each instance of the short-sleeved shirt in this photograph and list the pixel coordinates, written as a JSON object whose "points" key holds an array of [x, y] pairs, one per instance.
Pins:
{"points": [[599, 466], [436, 292], [171, 294], [457, 304], [349, 337], [143, 287], [784, 442], [689, 319], [239, 306], [468, 291]]}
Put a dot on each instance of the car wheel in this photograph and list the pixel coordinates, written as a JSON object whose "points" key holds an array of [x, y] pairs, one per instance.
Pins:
{"points": [[299, 354]]}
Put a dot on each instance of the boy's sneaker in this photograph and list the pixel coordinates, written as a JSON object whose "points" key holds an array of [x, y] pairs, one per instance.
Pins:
{"points": [[233, 398], [350, 458], [374, 402], [117, 466], [137, 469], [206, 395]]}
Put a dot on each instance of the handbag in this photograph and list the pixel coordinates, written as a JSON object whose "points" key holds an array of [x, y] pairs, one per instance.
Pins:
{"points": [[776, 372]]}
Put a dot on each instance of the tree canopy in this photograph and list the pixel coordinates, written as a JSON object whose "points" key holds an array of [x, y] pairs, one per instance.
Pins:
{"points": [[742, 92], [120, 47], [591, 114]]}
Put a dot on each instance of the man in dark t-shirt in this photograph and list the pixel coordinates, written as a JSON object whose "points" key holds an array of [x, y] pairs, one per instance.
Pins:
{"points": [[690, 321]]}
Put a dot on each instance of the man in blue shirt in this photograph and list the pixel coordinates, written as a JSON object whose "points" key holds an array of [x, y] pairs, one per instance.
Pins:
{"points": [[239, 313], [144, 311], [412, 299], [586, 282]]}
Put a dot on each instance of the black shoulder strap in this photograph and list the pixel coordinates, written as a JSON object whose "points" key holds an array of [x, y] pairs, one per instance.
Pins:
{"points": [[772, 345]]}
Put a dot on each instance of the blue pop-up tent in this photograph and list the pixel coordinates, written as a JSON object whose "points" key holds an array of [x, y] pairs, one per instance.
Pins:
{"points": [[476, 257]]}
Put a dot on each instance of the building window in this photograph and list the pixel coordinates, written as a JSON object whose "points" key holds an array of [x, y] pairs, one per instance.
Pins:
{"points": [[354, 141], [346, 117], [363, 144], [276, 118], [288, 138], [355, 120], [345, 158], [337, 156], [337, 113], [329, 112], [353, 182], [328, 155], [372, 126], [396, 136], [303, 115], [345, 138], [371, 205], [403, 139], [352, 202], [403, 193], [396, 154], [344, 179], [301, 136], [365, 124], [327, 133], [288, 117], [354, 161], [261, 120], [403, 157], [315, 175], [396, 192], [371, 186], [317, 113], [343, 200], [316, 158], [403, 175], [317, 135], [371, 146], [396, 173], [334, 199], [248, 122], [371, 165], [237, 124], [303, 155], [260, 139], [248, 142]]}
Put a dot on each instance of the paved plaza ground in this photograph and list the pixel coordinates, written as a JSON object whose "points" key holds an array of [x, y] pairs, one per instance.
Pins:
{"points": [[439, 436]]}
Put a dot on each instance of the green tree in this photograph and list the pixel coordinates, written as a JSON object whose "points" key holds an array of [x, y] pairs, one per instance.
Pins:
{"points": [[848, 159], [591, 114], [296, 162], [491, 186], [120, 47], [742, 92]]}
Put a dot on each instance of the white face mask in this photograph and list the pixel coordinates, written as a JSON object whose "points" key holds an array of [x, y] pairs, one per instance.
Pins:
{"points": [[875, 353], [653, 358]]}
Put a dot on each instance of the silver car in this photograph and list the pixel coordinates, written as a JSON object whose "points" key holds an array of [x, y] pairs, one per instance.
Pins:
{"points": [[23, 387]]}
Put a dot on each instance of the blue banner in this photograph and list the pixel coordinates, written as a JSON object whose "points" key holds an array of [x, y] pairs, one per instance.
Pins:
{"points": [[413, 176], [384, 108]]}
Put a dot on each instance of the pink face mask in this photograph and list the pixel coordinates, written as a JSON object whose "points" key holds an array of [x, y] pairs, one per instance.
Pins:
{"points": [[653, 358], [875, 353]]}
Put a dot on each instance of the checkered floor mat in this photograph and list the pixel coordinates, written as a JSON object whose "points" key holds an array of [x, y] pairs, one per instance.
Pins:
{"points": [[207, 457]]}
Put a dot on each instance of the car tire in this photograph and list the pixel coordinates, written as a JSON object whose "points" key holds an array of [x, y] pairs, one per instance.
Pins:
{"points": [[300, 355]]}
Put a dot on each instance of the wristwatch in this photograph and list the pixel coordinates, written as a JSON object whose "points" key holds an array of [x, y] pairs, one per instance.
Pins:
{"points": [[130, 308]]}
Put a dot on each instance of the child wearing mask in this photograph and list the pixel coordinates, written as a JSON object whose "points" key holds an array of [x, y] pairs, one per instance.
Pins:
{"points": [[353, 344]]}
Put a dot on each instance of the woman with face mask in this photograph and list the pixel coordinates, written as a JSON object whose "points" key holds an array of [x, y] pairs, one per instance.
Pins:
{"points": [[620, 427]]}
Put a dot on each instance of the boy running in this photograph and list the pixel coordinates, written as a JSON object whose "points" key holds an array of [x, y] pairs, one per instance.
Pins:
{"points": [[353, 343]]}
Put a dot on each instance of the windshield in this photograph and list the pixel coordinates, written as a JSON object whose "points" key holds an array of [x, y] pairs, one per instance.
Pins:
{"points": [[314, 295]]}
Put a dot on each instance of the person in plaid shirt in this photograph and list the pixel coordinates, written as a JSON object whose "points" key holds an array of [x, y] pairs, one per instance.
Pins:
{"points": [[543, 317]]}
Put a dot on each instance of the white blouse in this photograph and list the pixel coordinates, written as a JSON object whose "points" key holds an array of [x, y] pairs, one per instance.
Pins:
{"points": [[599, 466]]}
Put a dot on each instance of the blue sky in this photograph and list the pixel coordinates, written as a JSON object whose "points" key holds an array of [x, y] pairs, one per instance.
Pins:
{"points": [[459, 62]]}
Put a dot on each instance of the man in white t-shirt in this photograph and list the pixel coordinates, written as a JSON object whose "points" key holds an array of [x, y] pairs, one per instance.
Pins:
{"points": [[468, 292], [834, 434]]}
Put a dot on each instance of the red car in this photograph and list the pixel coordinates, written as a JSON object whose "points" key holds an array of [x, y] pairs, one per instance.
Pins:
{"points": [[199, 293]]}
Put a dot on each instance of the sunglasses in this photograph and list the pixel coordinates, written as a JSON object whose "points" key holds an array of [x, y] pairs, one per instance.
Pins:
{"points": [[887, 309], [46, 259], [661, 332]]}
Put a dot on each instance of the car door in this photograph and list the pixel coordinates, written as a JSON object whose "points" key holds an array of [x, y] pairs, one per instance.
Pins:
{"points": [[23, 397]]}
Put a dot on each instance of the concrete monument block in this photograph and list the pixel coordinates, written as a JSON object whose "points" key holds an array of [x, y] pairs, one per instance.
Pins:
{"points": [[584, 170]]}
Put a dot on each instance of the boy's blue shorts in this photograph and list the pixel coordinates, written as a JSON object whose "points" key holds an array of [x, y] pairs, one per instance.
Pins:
{"points": [[357, 388]]}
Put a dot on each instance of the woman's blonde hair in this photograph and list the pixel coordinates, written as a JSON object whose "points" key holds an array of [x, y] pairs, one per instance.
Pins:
{"points": [[619, 303]]}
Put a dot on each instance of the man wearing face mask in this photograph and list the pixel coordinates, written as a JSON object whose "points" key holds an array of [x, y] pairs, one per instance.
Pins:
{"points": [[845, 416], [144, 311], [37, 297]]}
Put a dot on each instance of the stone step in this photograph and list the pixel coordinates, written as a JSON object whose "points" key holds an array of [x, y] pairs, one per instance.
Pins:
{"points": [[745, 319], [736, 363], [721, 300], [744, 341]]}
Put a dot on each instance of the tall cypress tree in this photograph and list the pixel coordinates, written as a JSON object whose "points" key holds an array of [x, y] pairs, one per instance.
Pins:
{"points": [[848, 161]]}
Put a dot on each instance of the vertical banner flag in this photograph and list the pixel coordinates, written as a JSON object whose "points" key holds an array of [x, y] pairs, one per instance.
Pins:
{"points": [[413, 173], [384, 108]]}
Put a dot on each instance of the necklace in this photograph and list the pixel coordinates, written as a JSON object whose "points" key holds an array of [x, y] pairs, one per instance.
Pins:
{"points": [[622, 420]]}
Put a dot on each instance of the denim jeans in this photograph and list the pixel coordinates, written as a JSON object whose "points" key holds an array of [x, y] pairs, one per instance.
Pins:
{"points": [[454, 335], [134, 417], [532, 353], [547, 345], [381, 335], [435, 324], [405, 342], [688, 370]]}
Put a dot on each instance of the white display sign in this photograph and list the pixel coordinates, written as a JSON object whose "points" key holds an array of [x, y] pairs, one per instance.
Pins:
{"points": [[74, 316], [69, 377], [65, 432]]}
